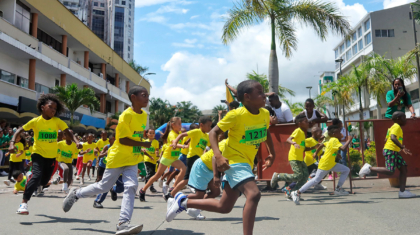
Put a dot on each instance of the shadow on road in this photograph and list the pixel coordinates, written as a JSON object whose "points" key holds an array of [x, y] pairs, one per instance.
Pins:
{"points": [[172, 232], [136, 207], [346, 202], [235, 219], [94, 230], [64, 220]]}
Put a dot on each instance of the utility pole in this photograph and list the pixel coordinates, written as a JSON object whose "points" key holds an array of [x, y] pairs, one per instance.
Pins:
{"points": [[415, 42]]}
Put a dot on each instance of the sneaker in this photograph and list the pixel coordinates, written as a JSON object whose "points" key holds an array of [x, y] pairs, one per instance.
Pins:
{"points": [[195, 213], [288, 197], [40, 192], [160, 182], [142, 196], [3, 173], [97, 205], [320, 187], [114, 196], [77, 178], [165, 189], [365, 170], [23, 209], [65, 189], [192, 190], [295, 197], [167, 196], [152, 189], [56, 181], [89, 179], [200, 217], [406, 194], [340, 192], [126, 228], [69, 200], [175, 207], [141, 179], [274, 180], [82, 181], [7, 182]]}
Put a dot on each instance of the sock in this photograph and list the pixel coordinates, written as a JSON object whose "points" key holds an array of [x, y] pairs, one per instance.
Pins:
{"points": [[65, 185], [184, 203]]}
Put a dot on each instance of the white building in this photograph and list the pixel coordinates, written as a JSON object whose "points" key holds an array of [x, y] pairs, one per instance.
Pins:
{"points": [[386, 32]]}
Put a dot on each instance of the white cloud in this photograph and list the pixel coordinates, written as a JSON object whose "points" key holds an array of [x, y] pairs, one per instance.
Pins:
{"points": [[191, 41], [193, 17], [200, 78], [145, 3], [395, 3]]}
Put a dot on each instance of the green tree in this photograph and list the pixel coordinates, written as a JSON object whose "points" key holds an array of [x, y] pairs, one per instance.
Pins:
{"points": [[262, 79], [284, 16], [296, 108], [341, 91], [188, 112], [73, 97], [112, 122], [160, 112], [139, 69], [321, 101], [359, 79], [215, 111]]}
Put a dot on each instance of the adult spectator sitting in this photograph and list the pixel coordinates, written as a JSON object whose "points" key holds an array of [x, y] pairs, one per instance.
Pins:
{"points": [[283, 112], [314, 116], [398, 99]]}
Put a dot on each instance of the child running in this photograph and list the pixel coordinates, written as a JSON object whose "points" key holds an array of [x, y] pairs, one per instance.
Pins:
{"points": [[393, 159], [20, 181], [67, 150], [310, 161], [169, 158], [248, 128], [102, 158], [88, 156], [104, 141], [122, 159], [150, 162], [45, 128], [16, 157], [327, 164]]}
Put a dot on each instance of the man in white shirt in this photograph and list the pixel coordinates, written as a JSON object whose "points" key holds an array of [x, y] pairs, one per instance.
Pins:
{"points": [[283, 112]]}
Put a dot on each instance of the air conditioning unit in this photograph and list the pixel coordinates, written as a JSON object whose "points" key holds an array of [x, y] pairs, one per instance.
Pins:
{"points": [[101, 75]]}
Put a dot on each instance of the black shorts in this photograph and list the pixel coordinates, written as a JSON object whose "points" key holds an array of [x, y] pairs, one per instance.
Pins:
{"points": [[190, 163]]}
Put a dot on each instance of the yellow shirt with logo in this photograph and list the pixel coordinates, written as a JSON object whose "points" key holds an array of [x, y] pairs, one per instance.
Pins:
{"points": [[130, 125], [67, 152], [328, 159], [198, 143], [208, 156], [299, 138], [45, 135], [101, 144], [309, 155], [397, 131], [28, 153], [171, 153], [89, 156], [246, 132], [20, 149], [152, 152], [185, 150], [20, 186]]}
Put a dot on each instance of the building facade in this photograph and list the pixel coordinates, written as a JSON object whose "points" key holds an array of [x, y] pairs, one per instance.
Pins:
{"points": [[387, 32], [42, 45]]}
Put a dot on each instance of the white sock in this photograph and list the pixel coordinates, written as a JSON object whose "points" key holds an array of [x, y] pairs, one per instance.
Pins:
{"points": [[184, 203], [65, 185], [165, 184]]}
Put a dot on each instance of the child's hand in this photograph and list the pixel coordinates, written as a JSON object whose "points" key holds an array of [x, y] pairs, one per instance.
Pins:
{"points": [[222, 163], [173, 144], [296, 146], [216, 181], [79, 146], [88, 150], [273, 120], [30, 163], [322, 138], [268, 162], [12, 148], [406, 151]]}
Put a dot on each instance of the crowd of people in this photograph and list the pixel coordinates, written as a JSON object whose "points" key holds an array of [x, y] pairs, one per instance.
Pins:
{"points": [[210, 159]]}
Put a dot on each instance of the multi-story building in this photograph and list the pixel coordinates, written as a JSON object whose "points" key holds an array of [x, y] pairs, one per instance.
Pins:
{"points": [[387, 32], [324, 78], [42, 45], [112, 21]]}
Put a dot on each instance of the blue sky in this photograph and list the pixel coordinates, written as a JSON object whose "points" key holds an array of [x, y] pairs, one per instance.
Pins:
{"points": [[179, 40]]}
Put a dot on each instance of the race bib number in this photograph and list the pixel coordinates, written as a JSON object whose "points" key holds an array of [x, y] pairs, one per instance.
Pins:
{"points": [[47, 136], [175, 153], [137, 150], [66, 154], [202, 144], [255, 134], [23, 183]]}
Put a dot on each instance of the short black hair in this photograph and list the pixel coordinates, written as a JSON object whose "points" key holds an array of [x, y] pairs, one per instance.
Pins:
{"points": [[194, 126], [299, 118], [274, 96], [134, 90], [397, 115], [332, 129], [204, 119], [336, 121], [245, 87], [310, 101], [43, 100], [111, 135], [16, 173], [234, 104]]}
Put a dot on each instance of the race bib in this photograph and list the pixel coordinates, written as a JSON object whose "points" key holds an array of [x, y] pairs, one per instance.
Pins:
{"points": [[66, 154], [175, 153], [255, 134], [202, 144], [47, 136]]}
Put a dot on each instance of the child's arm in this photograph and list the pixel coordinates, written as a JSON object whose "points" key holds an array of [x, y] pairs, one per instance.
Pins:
{"points": [[12, 147], [344, 147], [221, 162], [216, 173], [272, 154], [104, 152], [175, 142], [84, 152], [318, 150], [129, 142], [290, 141], [322, 119], [19, 154], [78, 144], [311, 148], [402, 147], [147, 154], [15, 191]]}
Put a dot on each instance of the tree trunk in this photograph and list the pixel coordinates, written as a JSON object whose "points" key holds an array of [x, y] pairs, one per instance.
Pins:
{"points": [[273, 66], [344, 114], [360, 103]]}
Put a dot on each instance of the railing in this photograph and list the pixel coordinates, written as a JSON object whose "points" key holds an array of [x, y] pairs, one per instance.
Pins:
{"points": [[98, 80], [79, 69], [13, 90], [18, 34], [117, 91], [53, 54]]}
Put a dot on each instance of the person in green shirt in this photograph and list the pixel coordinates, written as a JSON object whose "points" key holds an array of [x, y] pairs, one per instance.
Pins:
{"points": [[355, 142], [398, 99]]}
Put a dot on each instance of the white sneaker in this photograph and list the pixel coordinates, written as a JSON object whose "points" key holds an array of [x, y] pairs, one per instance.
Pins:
{"points": [[320, 187], [200, 217], [7, 182], [165, 189], [3, 173], [82, 182], [193, 212], [295, 197], [56, 181], [89, 178], [23, 209], [406, 194], [340, 192], [174, 206], [160, 181], [65, 189], [365, 170], [77, 177]]}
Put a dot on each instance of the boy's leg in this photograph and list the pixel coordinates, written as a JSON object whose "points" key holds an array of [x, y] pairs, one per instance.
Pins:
{"points": [[101, 197], [65, 172], [403, 177], [305, 175], [178, 185], [35, 179], [320, 174], [129, 177], [49, 169], [344, 173], [70, 174], [298, 172], [110, 176], [214, 191], [119, 185], [84, 170], [253, 195], [149, 170]]}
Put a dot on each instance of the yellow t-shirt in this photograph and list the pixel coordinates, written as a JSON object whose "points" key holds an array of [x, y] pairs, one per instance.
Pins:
{"points": [[208, 156], [28, 153], [397, 131], [152, 152], [309, 155], [89, 156], [299, 138], [198, 143], [45, 135], [185, 150], [246, 132], [20, 186], [101, 144], [171, 153], [328, 159], [67, 152], [130, 125], [20, 149]]}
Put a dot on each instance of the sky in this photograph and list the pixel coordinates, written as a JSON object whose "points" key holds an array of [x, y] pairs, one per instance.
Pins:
{"points": [[180, 41]]}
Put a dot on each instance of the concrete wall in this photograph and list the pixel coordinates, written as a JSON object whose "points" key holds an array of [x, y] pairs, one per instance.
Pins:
{"points": [[8, 7]]}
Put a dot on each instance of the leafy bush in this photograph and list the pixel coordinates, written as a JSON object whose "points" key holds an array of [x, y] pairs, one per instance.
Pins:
{"points": [[372, 145], [354, 155], [370, 156]]}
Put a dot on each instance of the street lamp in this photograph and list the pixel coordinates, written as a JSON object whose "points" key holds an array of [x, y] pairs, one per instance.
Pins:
{"points": [[341, 74], [144, 77], [309, 87]]}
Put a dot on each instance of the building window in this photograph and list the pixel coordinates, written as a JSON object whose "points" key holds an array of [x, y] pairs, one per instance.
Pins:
{"points": [[355, 49], [367, 25], [342, 49], [360, 32], [22, 17], [102, 4], [414, 94], [129, 13], [354, 37], [6, 76], [23, 82], [391, 33], [348, 43], [119, 31], [129, 55], [129, 41], [129, 6], [336, 52], [129, 48], [129, 20], [378, 33], [48, 40], [384, 33], [66, 3], [95, 4], [57, 82], [123, 3], [42, 89], [360, 44], [368, 39], [348, 55], [98, 26], [98, 12]]}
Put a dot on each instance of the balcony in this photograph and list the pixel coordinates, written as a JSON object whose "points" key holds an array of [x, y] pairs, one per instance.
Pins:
{"points": [[79, 69], [53, 54], [118, 94], [18, 34], [13, 90], [98, 80]]}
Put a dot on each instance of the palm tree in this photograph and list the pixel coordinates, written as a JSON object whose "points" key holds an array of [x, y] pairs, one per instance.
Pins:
{"points": [[321, 101], [296, 108], [262, 79], [73, 97], [359, 79], [188, 112], [283, 16], [139, 69], [342, 92], [215, 111], [160, 111]]}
